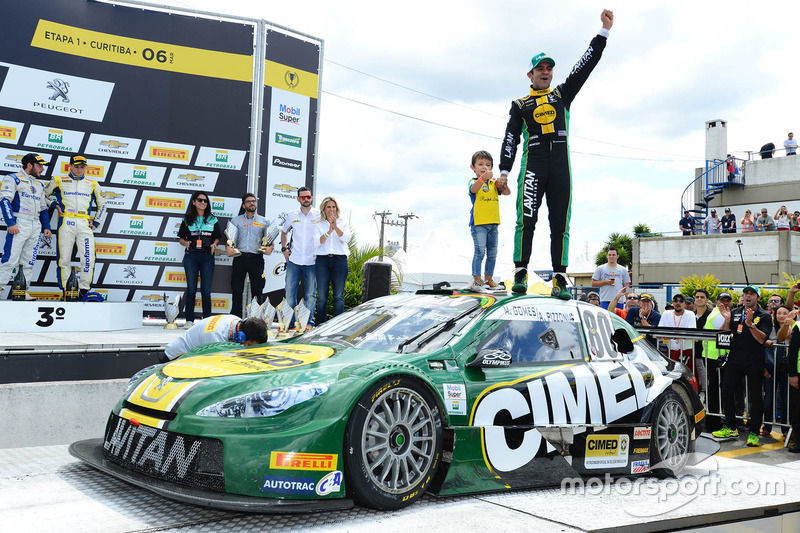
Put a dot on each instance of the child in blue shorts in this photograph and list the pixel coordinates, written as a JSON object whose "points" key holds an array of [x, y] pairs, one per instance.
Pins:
{"points": [[484, 218]]}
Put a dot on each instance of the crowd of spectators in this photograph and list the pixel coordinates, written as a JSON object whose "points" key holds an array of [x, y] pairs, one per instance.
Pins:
{"points": [[781, 220]]}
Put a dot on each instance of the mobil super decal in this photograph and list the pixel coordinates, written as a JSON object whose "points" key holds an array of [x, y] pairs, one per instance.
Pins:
{"points": [[573, 394]]}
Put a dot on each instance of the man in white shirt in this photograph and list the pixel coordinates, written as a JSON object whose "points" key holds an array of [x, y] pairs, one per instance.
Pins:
{"points": [[610, 277], [790, 144], [679, 317], [301, 253]]}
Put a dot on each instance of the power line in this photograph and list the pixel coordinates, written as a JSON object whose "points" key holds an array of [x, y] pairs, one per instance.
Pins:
{"points": [[412, 117]]}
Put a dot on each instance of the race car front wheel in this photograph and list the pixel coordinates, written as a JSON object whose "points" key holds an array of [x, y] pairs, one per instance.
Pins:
{"points": [[669, 446], [393, 444]]}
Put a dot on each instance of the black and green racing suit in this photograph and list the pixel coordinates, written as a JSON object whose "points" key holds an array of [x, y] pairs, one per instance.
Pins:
{"points": [[542, 118]]}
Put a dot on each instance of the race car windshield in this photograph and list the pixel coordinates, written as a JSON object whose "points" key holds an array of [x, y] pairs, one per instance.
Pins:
{"points": [[386, 323]]}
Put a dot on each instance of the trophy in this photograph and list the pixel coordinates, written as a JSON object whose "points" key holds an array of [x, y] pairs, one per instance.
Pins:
{"points": [[171, 311], [268, 313], [302, 314], [254, 310], [273, 230], [231, 232], [284, 316]]}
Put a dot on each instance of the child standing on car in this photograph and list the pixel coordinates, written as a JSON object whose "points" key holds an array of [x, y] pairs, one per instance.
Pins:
{"points": [[484, 218]]}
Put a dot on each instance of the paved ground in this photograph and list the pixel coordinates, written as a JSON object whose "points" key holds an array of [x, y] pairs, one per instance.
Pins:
{"points": [[45, 489]]}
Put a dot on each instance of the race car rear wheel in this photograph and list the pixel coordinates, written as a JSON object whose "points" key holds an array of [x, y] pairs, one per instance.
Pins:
{"points": [[671, 435], [393, 444]]}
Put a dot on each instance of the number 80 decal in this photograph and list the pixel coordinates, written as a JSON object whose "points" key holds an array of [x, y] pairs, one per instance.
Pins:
{"points": [[598, 329]]}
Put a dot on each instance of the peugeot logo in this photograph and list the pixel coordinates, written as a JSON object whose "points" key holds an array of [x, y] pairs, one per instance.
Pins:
{"points": [[130, 272], [60, 89]]}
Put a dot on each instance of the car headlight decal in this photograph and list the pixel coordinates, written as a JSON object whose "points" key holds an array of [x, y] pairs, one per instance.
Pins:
{"points": [[264, 403], [137, 375]]}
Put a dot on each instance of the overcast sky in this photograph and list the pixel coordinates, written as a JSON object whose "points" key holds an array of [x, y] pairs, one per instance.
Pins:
{"points": [[637, 126]]}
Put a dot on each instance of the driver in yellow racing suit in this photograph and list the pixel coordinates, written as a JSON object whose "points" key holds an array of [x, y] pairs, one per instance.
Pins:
{"points": [[81, 207]]}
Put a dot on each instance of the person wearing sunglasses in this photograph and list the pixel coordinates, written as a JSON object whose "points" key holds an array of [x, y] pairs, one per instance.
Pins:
{"points": [[300, 254], [200, 234], [681, 350], [631, 300]]}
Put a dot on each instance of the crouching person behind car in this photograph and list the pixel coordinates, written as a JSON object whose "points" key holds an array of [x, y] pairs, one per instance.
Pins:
{"points": [[219, 328]]}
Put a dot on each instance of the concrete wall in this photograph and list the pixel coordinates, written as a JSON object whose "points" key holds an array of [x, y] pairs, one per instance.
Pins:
{"points": [[668, 259], [769, 183], [45, 414]]}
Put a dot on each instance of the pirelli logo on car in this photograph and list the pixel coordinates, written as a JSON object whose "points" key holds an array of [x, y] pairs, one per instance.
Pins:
{"points": [[247, 361], [302, 461]]}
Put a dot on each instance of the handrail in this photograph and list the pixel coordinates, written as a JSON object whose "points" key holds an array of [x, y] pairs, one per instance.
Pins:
{"points": [[715, 178]]}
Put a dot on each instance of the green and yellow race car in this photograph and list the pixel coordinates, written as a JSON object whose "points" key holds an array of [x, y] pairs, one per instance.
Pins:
{"points": [[442, 393]]}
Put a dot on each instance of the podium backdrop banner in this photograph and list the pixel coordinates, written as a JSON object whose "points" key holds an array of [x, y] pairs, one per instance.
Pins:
{"points": [[163, 104]]}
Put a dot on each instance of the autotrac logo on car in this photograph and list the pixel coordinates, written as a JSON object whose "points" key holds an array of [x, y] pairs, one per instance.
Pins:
{"points": [[247, 361], [582, 394], [288, 485], [302, 461]]}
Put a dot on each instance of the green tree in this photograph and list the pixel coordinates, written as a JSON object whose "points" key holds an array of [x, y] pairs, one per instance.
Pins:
{"points": [[623, 243], [643, 230]]}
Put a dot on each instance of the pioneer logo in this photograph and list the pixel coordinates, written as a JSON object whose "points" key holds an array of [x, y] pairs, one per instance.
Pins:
{"points": [[285, 162]]}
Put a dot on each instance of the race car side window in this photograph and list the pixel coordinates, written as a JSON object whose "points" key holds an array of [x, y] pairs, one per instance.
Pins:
{"points": [[536, 341]]}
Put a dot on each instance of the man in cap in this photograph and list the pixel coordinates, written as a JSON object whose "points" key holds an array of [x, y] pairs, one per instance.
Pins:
{"points": [[593, 298], [542, 118], [728, 221], [81, 207], [24, 208], [712, 224], [687, 224], [644, 315], [751, 327]]}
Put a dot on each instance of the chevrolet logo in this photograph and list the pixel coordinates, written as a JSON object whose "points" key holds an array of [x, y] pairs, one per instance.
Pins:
{"points": [[111, 194], [285, 187], [17, 158], [114, 144], [191, 177], [154, 298]]}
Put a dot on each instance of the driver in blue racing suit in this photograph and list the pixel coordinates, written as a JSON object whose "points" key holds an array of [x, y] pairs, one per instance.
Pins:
{"points": [[542, 118]]}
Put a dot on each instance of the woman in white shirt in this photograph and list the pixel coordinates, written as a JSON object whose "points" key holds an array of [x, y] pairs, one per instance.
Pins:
{"points": [[331, 264]]}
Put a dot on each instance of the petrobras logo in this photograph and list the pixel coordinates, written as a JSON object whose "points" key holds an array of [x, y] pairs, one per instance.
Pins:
{"points": [[139, 225], [138, 175], [290, 140], [223, 158], [55, 136], [55, 93], [285, 162], [115, 146], [167, 152], [218, 204], [225, 207], [289, 114], [54, 139], [159, 252]]}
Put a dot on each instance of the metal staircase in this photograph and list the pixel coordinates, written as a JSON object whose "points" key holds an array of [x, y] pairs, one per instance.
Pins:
{"points": [[714, 180]]}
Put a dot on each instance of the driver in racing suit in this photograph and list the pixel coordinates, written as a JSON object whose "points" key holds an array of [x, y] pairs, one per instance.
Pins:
{"points": [[81, 207], [218, 328], [24, 208], [543, 120]]}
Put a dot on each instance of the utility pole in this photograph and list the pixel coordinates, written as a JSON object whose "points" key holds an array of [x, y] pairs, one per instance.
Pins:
{"points": [[383, 215], [405, 228]]}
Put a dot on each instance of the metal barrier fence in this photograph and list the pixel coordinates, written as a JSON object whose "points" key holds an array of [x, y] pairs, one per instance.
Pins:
{"points": [[774, 404]]}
